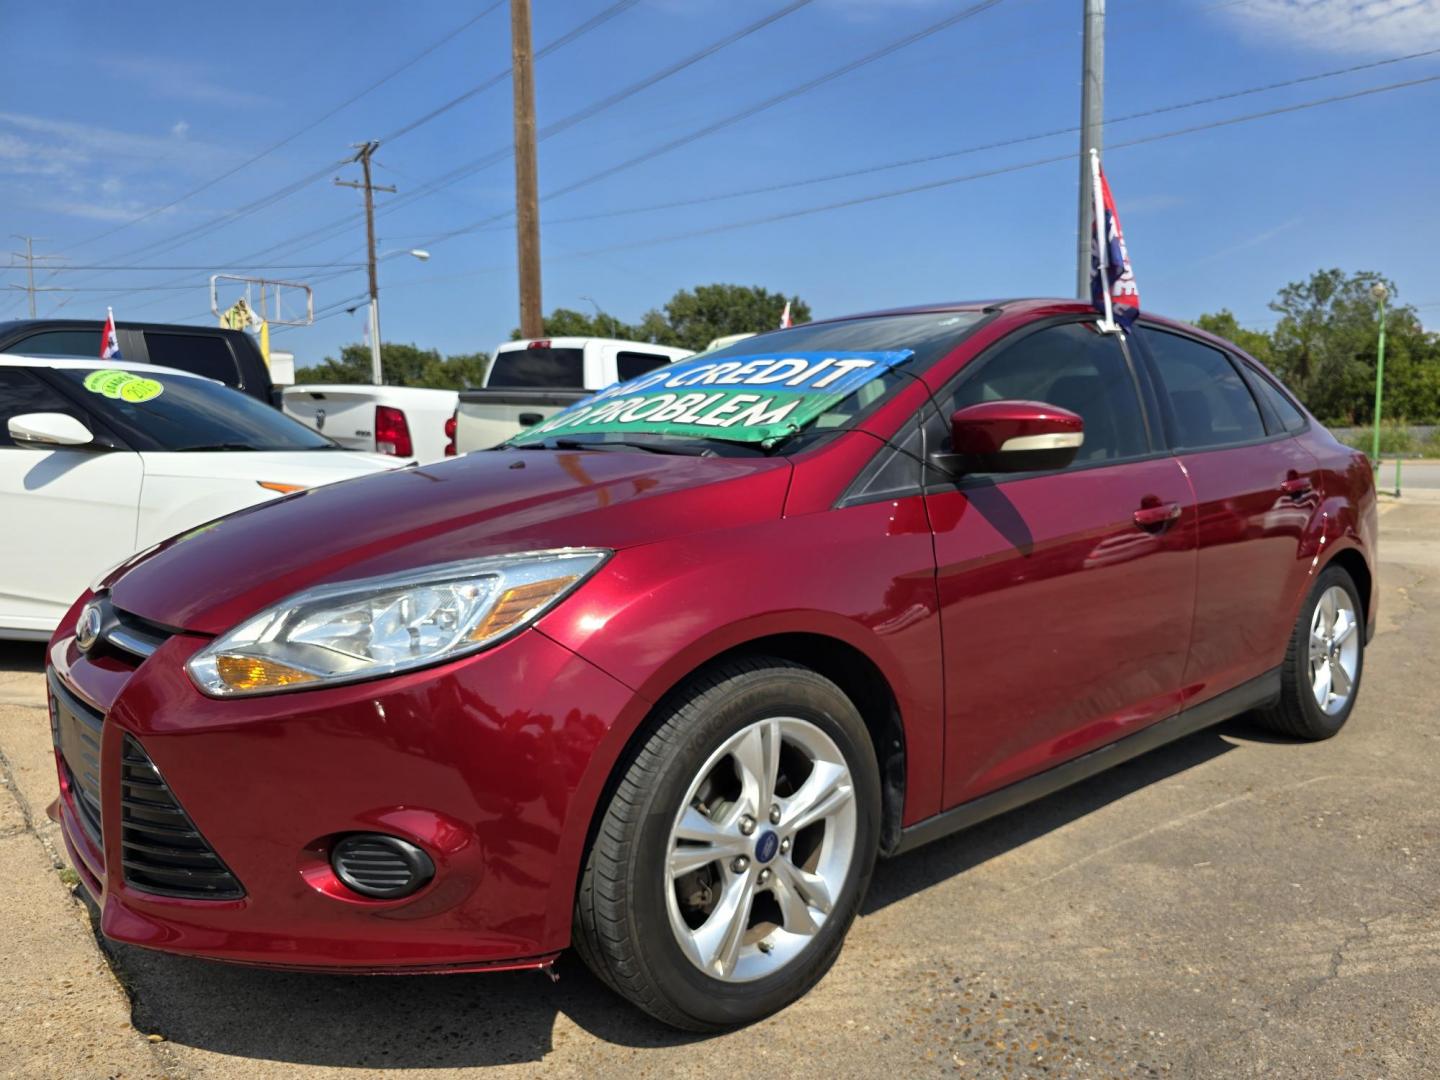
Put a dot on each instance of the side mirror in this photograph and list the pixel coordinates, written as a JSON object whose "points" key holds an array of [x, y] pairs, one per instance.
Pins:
{"points": [[48, 429], [1009, 437]]}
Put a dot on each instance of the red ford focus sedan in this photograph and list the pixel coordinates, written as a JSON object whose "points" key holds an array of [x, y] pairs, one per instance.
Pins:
{"points": [[664, 675]]}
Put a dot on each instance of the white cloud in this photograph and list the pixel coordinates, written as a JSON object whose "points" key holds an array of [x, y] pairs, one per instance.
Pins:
{"points": [[180, 129], [97, 173], [1344, 26], [180, 81]]}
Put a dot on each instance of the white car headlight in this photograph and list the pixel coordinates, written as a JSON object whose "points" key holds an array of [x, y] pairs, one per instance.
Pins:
{"points": [[378, 626]]}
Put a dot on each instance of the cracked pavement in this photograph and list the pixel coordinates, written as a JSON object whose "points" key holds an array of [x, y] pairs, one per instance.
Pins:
{"points": [[1233, 905]]}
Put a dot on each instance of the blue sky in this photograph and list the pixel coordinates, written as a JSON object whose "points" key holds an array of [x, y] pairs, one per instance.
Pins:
{"points": [[106, 119]]}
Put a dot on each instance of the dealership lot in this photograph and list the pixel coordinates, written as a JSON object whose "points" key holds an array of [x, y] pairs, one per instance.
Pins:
{"points": [[1231, 905]]}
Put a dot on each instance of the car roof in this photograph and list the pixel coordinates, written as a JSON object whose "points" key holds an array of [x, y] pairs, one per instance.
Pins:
{"points": [[574, 342], [1027, 305], [81, 363]]}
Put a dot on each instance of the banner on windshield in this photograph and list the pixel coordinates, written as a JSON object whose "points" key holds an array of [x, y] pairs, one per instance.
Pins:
{"points": [[753, 398]]}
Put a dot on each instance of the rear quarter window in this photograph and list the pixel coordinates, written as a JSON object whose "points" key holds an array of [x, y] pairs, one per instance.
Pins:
{"points": [[631, 365], [196, 353]]}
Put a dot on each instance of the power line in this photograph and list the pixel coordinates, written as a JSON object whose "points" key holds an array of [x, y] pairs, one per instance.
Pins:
{"points": [[449, 36], [339, 226], [952, 180]]}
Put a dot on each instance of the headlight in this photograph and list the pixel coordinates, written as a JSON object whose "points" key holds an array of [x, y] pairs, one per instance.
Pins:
{"points": [[377, 626]]}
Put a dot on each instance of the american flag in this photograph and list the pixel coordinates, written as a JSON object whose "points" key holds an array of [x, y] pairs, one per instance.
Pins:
{"points": [[109, 343], [1113, 290]]}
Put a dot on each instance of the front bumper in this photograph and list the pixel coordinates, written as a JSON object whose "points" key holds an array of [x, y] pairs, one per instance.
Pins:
{"points": [[491, 764]]}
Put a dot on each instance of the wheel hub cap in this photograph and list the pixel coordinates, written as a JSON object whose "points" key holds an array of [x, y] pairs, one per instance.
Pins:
{"points": [[1334, 650], [744, 902]]}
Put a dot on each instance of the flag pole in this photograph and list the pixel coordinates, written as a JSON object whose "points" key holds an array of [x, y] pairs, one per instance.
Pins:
{"points": [[1101, 241]]}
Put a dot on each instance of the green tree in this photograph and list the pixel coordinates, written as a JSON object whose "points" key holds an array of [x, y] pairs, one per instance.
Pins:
{"points": [[690, 320], [694, 319], [1325, 347], [403, 365], [1224, 324]]}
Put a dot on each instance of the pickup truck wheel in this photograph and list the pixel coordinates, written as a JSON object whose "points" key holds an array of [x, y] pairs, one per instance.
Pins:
{"points": [[1320, 677], [736, 848]]}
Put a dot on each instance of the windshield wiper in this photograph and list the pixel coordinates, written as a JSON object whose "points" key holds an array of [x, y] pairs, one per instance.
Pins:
{"points": [[214, 446], [683, 449]]}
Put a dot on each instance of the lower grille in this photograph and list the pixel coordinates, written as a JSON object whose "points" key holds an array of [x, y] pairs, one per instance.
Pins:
{"points": [[75, 728], [160, 847]]}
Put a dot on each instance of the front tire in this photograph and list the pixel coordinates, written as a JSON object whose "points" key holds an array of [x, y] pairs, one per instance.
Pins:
{"points": [[1320, 678], [736, 848]]}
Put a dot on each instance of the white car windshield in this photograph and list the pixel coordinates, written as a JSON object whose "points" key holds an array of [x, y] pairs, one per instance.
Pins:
{"points": [[166, 411]]}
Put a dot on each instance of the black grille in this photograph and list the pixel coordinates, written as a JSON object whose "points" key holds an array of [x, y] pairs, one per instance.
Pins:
{"points": [[160, 847], [384, 867], [75, 727]]}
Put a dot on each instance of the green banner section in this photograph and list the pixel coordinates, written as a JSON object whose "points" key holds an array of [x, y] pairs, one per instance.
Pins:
{"points": [[755, 398]]}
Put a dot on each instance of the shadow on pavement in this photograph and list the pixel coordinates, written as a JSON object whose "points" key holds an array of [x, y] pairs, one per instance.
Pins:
{"points": [[455, 1021], [22, 656], [897, 879]]}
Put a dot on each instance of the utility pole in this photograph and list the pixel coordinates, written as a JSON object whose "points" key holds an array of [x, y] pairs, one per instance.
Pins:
{"points": [[1092, 132], [29, 256], [527, 201], [363, 153]]}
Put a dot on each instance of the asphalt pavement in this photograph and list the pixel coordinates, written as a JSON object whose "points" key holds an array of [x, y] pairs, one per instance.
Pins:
{"points": [[1233, 905]]}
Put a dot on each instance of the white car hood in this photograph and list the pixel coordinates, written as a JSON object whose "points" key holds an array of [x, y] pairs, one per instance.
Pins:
{"points": [[308, 467]]}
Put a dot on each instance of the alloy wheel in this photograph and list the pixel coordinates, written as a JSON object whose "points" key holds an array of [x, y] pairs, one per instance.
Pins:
{"points": [[1334, 650], [760, 848]]}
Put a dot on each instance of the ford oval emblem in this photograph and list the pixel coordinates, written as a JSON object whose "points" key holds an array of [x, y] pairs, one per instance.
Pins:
{"points": [[87, 626], [766, 846]]}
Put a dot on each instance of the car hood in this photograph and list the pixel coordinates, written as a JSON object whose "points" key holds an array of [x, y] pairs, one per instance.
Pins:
{"points": [[210, 578], [306, 467]]}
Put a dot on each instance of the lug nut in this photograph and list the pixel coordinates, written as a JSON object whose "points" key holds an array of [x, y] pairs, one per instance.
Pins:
{"points": [[785, 846], [747, 825], [774, 815], [764, 876], [765, 946], [740, 865]]}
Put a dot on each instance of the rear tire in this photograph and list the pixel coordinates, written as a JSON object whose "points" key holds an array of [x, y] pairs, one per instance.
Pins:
{"points": [[1320, 678], [735, 849]]}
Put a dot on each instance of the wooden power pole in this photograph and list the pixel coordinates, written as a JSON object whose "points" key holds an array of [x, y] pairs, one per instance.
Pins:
{"points": [[363, 153], [1092, 132], [527, 200]]}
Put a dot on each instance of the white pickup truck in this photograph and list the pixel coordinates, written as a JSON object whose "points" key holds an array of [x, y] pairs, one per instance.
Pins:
{"points": [[530, 380], [402, 421]]}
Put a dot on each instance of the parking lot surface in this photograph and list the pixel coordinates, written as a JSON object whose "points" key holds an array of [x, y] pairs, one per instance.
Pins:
{"points": [[1232, 905]]}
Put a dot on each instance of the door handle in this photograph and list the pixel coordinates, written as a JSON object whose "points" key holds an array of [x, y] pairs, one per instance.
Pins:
{"points": [[1154, 517], [1297, 485]]}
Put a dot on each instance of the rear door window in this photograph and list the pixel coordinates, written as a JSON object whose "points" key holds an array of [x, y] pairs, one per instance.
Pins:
{"points": [[1209, 403], [538, 368], [196, 353], [84, 343]]}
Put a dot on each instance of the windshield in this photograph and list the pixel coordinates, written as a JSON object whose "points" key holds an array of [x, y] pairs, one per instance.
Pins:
{"points": [[164, 411], [765, 390]]}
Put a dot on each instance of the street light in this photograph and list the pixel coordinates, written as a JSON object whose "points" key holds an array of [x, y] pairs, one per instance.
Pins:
{"points": [[1379, 293], [377, 372]]}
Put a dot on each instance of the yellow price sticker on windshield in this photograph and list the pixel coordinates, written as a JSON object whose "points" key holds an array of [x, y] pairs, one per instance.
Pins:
{"points": [[123, 385]]}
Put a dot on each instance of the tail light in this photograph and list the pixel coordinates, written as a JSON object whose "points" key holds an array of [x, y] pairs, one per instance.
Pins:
{"points": [[392, 433], [450, 448]]}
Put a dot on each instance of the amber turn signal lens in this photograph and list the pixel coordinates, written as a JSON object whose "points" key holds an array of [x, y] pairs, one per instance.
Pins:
{"points": [[283, 489], [252, 673], [515, 605]]}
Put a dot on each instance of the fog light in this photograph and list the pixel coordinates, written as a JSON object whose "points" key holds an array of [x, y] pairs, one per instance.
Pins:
{"points": [[379, 866]]}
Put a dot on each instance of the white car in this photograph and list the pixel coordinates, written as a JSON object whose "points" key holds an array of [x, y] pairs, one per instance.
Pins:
{"points": [[402, 421], [99, 459]]}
